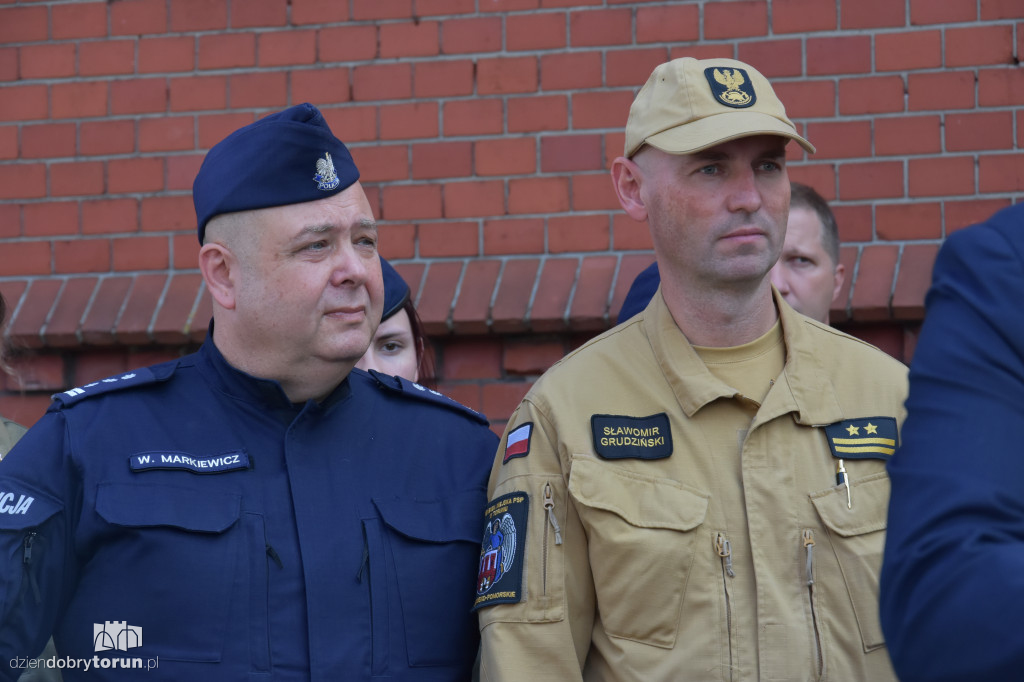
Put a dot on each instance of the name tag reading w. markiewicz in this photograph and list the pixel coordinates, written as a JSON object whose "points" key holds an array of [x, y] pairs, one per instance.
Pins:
{"points": [[624, 437], [205, 464]]}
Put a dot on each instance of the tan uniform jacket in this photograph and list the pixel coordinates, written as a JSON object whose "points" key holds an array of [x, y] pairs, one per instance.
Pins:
{"points": [[742, 565]]}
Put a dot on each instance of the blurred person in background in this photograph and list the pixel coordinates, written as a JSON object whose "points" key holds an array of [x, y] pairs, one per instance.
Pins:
{"points": [[400, 347]]}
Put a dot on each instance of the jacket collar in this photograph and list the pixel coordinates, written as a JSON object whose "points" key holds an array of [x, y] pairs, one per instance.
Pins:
{"points": [[267, 393], [804, 387]]}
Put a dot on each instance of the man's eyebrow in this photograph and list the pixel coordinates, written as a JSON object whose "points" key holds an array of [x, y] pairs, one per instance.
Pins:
{"points": [[315, 230], [710, 155], [324, 228], [774, 149], [771, 149]]}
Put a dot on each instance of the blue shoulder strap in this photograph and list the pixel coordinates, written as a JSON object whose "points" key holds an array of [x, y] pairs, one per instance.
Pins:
{"points": [[130, 379], [411, 389]]}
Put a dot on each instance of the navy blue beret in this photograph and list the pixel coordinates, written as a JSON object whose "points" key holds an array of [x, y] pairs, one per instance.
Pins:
{"points": [[396, 291], [641, 292], [286, 158]]}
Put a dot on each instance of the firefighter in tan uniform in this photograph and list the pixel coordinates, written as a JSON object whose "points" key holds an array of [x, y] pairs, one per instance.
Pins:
{"points": [[699, 493]]}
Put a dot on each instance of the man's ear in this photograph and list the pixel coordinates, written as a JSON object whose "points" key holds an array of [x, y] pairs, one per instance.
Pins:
{"points": [[627, 177], [220, 270], [837, 280]]}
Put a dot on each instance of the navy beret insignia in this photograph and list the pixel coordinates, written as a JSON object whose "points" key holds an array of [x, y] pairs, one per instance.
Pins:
{"points": [[500, 578], [623, 437], [731, 87], [869, 438], [326, 178]]}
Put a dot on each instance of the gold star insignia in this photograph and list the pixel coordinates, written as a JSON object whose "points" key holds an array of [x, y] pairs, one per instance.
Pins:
{"points": [[871, 428], [853, 430]]}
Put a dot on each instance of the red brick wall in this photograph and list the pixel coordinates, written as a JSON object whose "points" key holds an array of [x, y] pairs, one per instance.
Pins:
{"points": [[483, 129]]}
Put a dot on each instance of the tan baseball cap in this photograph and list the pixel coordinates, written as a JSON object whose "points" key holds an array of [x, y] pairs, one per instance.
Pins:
{"points": [[691, 104]]}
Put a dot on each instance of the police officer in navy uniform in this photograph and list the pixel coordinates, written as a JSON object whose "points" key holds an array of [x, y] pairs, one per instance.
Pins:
{"points": [[258, 510], [951, 587]]}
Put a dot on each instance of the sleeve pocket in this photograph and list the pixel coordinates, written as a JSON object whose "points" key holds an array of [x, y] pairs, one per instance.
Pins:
{"points": [[635, 520], [31, 563], [858, 539]]}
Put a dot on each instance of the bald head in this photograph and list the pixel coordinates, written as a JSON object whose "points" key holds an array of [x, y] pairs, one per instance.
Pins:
{"points": [[238, 232]]}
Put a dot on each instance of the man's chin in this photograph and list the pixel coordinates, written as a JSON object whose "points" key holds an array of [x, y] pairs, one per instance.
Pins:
{"points": [[346, 350]]}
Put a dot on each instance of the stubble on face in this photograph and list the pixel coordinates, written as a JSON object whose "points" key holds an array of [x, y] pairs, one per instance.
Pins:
{"points": [[717, 217]]}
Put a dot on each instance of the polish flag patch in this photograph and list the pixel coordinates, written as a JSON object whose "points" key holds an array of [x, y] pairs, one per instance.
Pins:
{"points": [[518, 442]]}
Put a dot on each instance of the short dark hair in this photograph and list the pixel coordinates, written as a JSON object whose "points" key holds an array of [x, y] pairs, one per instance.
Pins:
{"points": [[803, 196]]}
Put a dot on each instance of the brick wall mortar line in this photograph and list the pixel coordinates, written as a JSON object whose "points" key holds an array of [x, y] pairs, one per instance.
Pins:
{"points": [[190, 318], [450, 318], [848, 307], [151, 326], [567, 313], [123, 306], [895, 278], [53, 306], [528, 314], [494, 293], [88, 306]]}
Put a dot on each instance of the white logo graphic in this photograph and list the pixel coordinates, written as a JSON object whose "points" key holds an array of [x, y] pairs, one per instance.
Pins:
{"points": [[116, 634], [326, 177]]}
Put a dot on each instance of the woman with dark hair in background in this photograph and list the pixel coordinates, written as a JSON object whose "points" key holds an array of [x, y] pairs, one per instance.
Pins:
{"points": [[400, 345]]}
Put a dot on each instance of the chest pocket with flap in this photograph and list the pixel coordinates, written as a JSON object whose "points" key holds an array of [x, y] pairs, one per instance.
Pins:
{"points": [[641, 544], [173, 552]]}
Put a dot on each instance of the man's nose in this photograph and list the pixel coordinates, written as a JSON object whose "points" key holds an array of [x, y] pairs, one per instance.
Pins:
{"points": [[349, 267]]}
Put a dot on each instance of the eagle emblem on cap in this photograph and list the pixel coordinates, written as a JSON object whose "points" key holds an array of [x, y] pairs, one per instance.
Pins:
{"points": [[326, 177], [735, 90]]}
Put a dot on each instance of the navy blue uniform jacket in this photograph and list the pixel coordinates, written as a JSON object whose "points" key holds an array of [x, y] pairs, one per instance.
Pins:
{"points": [[952, 586], [189, 515]]}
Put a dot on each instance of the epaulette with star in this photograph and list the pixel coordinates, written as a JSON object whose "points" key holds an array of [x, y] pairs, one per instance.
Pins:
{"points": [[117, 382], [871, 438], [414, 390]]}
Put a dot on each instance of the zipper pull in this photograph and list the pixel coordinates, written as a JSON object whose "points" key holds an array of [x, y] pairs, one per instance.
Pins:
{"points": [[809, 546], [26, 558], [549, 505], [724, 549], [272, 553]]}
